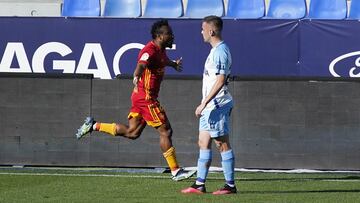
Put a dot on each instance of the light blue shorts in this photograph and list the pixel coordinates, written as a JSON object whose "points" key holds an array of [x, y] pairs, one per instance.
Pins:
{"points": [[216, 121]]}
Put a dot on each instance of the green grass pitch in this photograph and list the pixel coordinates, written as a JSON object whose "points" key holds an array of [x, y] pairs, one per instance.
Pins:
{"points": [[90, 186]]}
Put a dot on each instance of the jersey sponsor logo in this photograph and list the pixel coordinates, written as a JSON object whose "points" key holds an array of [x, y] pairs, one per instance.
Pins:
{"points": [[354, 71]]}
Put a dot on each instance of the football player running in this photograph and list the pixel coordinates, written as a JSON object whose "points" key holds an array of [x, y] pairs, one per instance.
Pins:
{"points": [[146, 109]]}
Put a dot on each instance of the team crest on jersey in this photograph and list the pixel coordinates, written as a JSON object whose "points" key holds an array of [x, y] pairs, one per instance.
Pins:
{"points": [[144, 57]]}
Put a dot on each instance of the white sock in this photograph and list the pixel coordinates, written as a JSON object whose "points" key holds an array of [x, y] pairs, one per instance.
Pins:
{"points": [[231, 185], [94, 126], [174, 172], [199, 183]]}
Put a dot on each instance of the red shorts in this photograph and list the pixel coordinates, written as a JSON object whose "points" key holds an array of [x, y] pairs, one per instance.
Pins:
{"points": [[149, 110]]}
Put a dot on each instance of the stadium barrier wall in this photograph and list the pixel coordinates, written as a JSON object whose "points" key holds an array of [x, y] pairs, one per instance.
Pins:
{"points": [[107, 47], [277, 123]]}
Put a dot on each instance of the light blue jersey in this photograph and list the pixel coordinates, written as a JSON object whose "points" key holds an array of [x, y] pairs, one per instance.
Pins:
{"points": [[215, 117], [217, 62]]}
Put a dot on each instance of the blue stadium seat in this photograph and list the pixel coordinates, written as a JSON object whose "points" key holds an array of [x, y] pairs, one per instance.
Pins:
{"points": [[287, 9], [327, 9], [202, 8], [163, 9], [245, 9], [354, 10], [122, 8], [81, 8]]}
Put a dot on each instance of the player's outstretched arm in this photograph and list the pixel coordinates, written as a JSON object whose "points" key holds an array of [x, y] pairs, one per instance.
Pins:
{"points": [[176, 64]]}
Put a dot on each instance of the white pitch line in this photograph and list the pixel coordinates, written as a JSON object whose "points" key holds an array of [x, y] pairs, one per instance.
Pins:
{"points": [[144, 176], [85, 175], [100, 175], [353, 180]]}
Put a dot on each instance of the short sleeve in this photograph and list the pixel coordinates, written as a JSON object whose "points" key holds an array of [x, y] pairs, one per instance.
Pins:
{"points": [[222, 61], [145, 56]]}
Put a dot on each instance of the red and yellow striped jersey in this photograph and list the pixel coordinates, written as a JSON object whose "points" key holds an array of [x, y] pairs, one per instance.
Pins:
{"points": [[155, 61]]}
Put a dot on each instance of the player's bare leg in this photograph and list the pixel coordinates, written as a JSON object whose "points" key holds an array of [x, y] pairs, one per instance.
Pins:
{"points": [[133, 130], [165, 133], [222, 143]]}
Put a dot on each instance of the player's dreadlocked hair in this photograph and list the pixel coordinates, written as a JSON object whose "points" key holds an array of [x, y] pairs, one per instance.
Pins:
{"points": [[156, 28]]}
